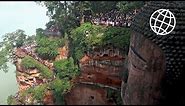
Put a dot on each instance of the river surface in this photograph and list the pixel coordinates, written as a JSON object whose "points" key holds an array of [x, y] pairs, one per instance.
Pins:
{"points": [[8, 84]]}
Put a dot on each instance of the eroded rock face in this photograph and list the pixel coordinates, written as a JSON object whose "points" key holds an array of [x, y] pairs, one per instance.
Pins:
{"points": [[102, 67], [48, 98], [146, 66], [63, 53], [83, 94], [28, 78]]}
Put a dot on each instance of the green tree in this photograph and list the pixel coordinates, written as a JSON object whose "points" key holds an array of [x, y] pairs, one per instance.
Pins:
{"points": [[68, 14], [47, 48], [3, 59], [119, 37], [127, 6], [60, 87], [15, 38], [66, 68], [39, 91], [30, 39], [84, 38], [36, 92], [61, 13], [10, 41], [98, 7], [11, 100], [20, 38]]}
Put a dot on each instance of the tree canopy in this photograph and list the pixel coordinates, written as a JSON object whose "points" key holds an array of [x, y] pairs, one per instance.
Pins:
{"points": [[125, 6], [10, 41], [47, 48]]}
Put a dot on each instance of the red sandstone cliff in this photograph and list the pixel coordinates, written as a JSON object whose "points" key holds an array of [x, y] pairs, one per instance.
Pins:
{"points": [[102, 68], [27, 78]]}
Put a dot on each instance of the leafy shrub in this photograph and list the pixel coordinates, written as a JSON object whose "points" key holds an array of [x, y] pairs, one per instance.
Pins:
{"points": [[11, 100], [47, 52], [59, 88], [87, 34], [47, 47], [119, 37], [81, 42], [39, 91], [66, 68]]}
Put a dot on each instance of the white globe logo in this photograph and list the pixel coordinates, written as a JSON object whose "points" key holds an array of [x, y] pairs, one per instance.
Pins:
{"points": [[162, 22]]}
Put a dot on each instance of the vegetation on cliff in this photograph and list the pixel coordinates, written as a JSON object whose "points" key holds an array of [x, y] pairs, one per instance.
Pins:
{"points": [[87, 36], [60, 87], [38, 91], [65, 71], [84, 38], [66, 68], [35, 95], [47, 48], [11, 100], [30, 63]]}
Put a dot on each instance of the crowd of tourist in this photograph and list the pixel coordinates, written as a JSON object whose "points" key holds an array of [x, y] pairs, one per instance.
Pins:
{"points": [[53, 30], [114, 18]]}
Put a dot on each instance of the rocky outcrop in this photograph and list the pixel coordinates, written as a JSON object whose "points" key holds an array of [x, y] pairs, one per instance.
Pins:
{"points": [[27, 78], [48, 98], [63, 53], [83, 94], [101, 67]]}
